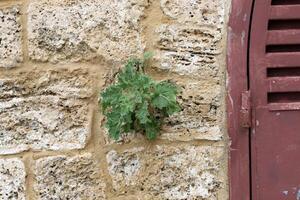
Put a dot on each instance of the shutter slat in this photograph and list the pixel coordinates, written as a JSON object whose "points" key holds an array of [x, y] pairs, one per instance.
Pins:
{"points": [[284, 84], [284, 106], [285, 12], [287, 59], [283, 37]]}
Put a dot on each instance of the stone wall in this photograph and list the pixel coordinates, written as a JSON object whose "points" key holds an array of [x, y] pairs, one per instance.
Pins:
{"points": [[55, 58]]}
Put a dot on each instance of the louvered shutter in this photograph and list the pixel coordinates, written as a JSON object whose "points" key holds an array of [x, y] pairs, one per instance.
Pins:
{"points": [[274, 76]]}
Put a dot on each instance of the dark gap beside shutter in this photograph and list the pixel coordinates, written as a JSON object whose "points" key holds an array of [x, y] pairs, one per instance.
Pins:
{"points": [[285, 2], [283, 72], [284, 97], [284, 24]]}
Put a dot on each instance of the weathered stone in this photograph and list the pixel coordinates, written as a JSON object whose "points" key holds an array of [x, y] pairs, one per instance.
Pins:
{"points": [[10, 37], [45, 110], [189, 50], [126, 175], [201, 12], [84, 29], [12, 179], [127, 197], [165, 172], [201, 115], [62, 177]]}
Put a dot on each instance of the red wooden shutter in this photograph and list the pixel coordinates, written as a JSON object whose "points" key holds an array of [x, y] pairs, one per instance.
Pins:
{"points": [[275, 87]]}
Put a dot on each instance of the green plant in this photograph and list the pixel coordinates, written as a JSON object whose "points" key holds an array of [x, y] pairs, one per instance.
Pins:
{"points": [[135, 102]]}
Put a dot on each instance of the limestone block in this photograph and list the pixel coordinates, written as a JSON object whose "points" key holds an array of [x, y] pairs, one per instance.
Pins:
{"points": [[201, 12], [62, 177], [10, 37], [127, 174], [61, 31], [46, 110], [201, 115], [164, 172], [12, 179], [189, 50]]}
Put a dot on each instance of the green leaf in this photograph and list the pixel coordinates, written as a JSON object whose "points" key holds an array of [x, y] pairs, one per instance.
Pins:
{"points": [[142, 113], [136, 102], [152, 130], [110, 97], [165, 95], [114, 124]]}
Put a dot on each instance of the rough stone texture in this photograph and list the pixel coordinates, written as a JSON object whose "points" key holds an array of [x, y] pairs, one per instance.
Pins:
{"points": [[45, 110], [10, 37], [84, 29], [201, 115], [127, 174], [190, 45], [201, 12], [165, 172], [61, 177], [189, 50], [12, 179]]}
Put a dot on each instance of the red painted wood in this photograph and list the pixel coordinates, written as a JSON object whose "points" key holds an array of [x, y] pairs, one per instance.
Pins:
{"points": [[274, 60], [285, 12], [239, 169], [275, 139], [284, 84], [284, 107], [277, 37]]}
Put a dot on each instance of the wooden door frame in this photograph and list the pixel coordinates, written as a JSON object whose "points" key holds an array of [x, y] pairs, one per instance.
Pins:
{"points": [[237, 83]]}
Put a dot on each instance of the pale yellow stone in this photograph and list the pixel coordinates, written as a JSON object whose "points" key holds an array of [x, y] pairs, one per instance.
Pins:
{"points": [[46, 110], [165, 172], [201, 115], [62, 31], [200, 12], [12, 179], [10, 37], [63, 177], [189, 50]]}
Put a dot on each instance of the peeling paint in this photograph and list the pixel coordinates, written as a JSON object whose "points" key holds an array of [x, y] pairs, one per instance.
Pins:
{"points": [[245, 18], [277, 114], [285, 192], [298, 195], [243, 38]]}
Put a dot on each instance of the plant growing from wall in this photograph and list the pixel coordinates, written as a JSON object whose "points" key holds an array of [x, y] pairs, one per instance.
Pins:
{"points": [[135, 102]]}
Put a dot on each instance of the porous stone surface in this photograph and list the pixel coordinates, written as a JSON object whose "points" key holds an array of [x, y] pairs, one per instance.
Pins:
{"points": [[189, 50], [190, 45], [12, 179], [77, 30], [62, 177], [201, 115], [199, 12], [182, 172], [46, 110], [10, 37], [127, 174]]}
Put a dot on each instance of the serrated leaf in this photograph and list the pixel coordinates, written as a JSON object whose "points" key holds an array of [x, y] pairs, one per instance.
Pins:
{"points": [[152, 130], [165, 95], [136, 101], [110, 96], [113, 124], [142, 113], [173, 109]]}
